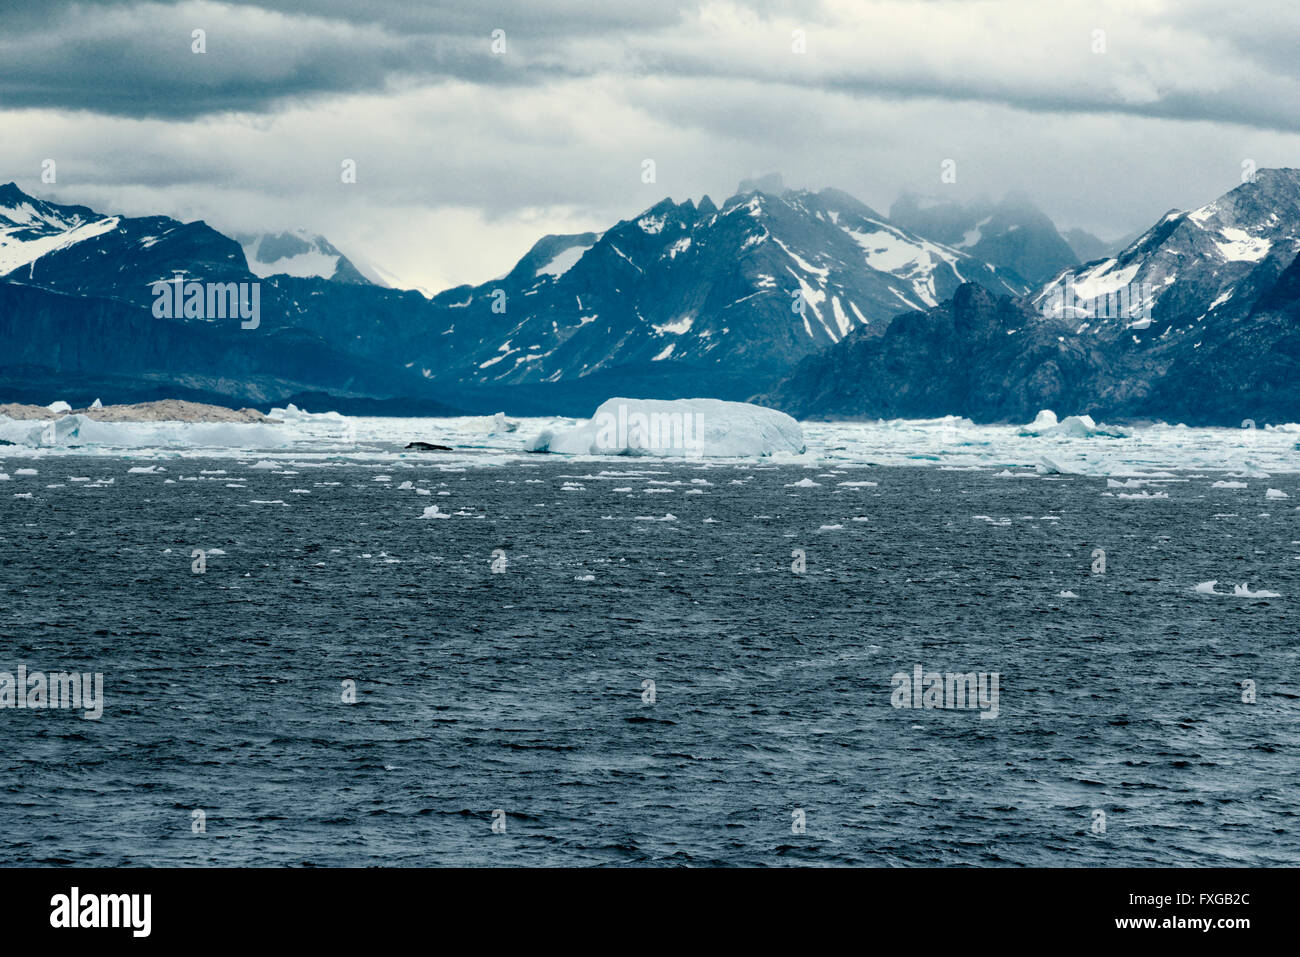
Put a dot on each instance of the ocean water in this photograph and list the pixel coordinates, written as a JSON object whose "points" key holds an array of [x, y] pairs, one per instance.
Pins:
{"points": [[523, 690]]}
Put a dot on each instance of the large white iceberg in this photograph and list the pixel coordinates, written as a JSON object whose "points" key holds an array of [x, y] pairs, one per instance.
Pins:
{"points": [[677, 428]]}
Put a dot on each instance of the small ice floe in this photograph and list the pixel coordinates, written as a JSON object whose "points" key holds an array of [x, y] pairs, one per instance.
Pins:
{"points": [[1207, 588], [1222, 484], [1276, 493], [1007, 473], [422, 491], [858, 484], [1066, 594], [584, 578], [573, 487], [830, 528], [262, 464], [1142, 494], [861, 518], [233, 485], [382, 478], [22, 494], [4, 477], [24, 471], [804, 483], [626, 488], [78, 478], [299, 491], [405, 487], [273, 501], [144, 469], [1128, 483], [433, 511], [669, 517], [1243, 591], [710, 521]]}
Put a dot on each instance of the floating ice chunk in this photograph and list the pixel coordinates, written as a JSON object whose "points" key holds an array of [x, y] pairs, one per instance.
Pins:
{"points": [[432, 511], [1046, 419], [1072, 426], [1228, 485], [830, 528], [1243, 591], [1143, 494], [96, 404], [677, 428], [804, 483], [60, 406], [1207, 588], [584, 578], [24, 471], [1066, 594], [144, 469], [265, 464], [22, 494], [1276, 493]]}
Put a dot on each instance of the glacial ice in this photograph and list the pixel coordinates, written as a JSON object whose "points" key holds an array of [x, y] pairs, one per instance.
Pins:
{"points": [[677, 428], [1072, 426]]}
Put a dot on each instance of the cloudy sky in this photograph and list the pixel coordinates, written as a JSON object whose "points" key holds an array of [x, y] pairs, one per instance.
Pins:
{"points": [[465, 155]]}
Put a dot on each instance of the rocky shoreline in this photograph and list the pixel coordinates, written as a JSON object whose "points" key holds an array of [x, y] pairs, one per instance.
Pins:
{"points": [[164, 410]]}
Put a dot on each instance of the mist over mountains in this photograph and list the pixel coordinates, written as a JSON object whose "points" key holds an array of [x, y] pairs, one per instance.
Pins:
{"points": [[812, 300]]}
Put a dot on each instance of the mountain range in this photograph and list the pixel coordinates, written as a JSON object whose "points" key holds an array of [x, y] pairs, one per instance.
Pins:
{"points": [[811, 300]]}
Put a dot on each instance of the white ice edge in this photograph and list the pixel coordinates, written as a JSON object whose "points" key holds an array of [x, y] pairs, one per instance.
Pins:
{"points": [[1029, 451]]}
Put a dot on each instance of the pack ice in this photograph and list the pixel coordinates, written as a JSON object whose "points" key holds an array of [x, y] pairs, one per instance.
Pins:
{"points": [[671, 428]]}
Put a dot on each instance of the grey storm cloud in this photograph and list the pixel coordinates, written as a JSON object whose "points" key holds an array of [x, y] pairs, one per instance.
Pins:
{"points": [[134, 59], [467, 157]]}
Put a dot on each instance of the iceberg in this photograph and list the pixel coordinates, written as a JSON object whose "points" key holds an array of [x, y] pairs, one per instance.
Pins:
{"points": [[1072, 426], [677, 428]]}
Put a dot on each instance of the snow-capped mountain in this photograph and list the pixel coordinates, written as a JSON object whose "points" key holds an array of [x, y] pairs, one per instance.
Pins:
{"points": [[76, 250], [1221, 343], [1013, 234], [30, 228], [1190, 268], [301, 254], [683, 299], [746, 289]]}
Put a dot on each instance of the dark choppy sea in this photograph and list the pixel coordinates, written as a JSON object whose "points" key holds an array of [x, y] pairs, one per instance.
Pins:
{"points": [[523, 690]]}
